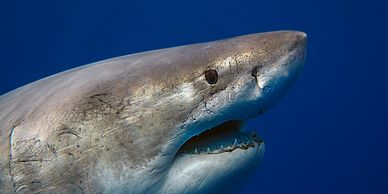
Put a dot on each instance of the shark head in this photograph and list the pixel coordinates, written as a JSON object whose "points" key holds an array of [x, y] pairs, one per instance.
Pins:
{"points": [[251, 73], [163, 121], [194, 104]]}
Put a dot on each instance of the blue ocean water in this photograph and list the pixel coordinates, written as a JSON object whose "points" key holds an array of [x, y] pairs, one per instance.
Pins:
{"points": [[328, 135]]}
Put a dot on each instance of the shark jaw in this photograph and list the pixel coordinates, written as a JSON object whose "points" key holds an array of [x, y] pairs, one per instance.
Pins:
{"points": [[217, 160], [226, 137]]}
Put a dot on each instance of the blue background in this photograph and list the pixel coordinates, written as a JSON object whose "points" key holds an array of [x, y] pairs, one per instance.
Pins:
{"points": [[330, 132]]}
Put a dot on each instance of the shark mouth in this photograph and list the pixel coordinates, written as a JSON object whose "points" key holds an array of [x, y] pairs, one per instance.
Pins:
{"points": [[226, 137]]}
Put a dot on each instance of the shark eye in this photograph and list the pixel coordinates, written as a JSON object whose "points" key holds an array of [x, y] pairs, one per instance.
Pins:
{"points": [[211, 76]]}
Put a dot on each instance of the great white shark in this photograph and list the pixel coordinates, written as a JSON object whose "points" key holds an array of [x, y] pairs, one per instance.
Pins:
{"points": [[163, 121]]}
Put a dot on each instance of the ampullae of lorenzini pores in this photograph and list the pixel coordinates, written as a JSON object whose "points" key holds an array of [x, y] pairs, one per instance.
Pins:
{"points": [[162, 121]]}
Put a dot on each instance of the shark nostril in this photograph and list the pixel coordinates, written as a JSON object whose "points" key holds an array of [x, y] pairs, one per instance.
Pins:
{"points": [[254, 73]]}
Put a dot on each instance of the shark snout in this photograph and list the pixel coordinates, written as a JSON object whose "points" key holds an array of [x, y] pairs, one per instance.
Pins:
{"points": [[287, 56], [300, 44], [292, 60], [293, 46], [281, 48], [301, 38], [296, 55]]}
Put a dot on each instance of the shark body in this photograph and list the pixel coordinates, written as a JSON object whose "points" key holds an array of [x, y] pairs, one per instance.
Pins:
{"points": [[163, 121]]}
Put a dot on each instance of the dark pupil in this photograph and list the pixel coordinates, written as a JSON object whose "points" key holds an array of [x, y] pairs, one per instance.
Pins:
{"points": [[211, 76]]}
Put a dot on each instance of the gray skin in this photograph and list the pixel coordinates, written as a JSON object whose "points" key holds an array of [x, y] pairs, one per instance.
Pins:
{"points": [[115, 126]]}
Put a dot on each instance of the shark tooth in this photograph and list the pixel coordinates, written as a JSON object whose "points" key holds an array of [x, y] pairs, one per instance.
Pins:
{"points": [[196, 151], [208, 150], [235, 143], [244, 145]]}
